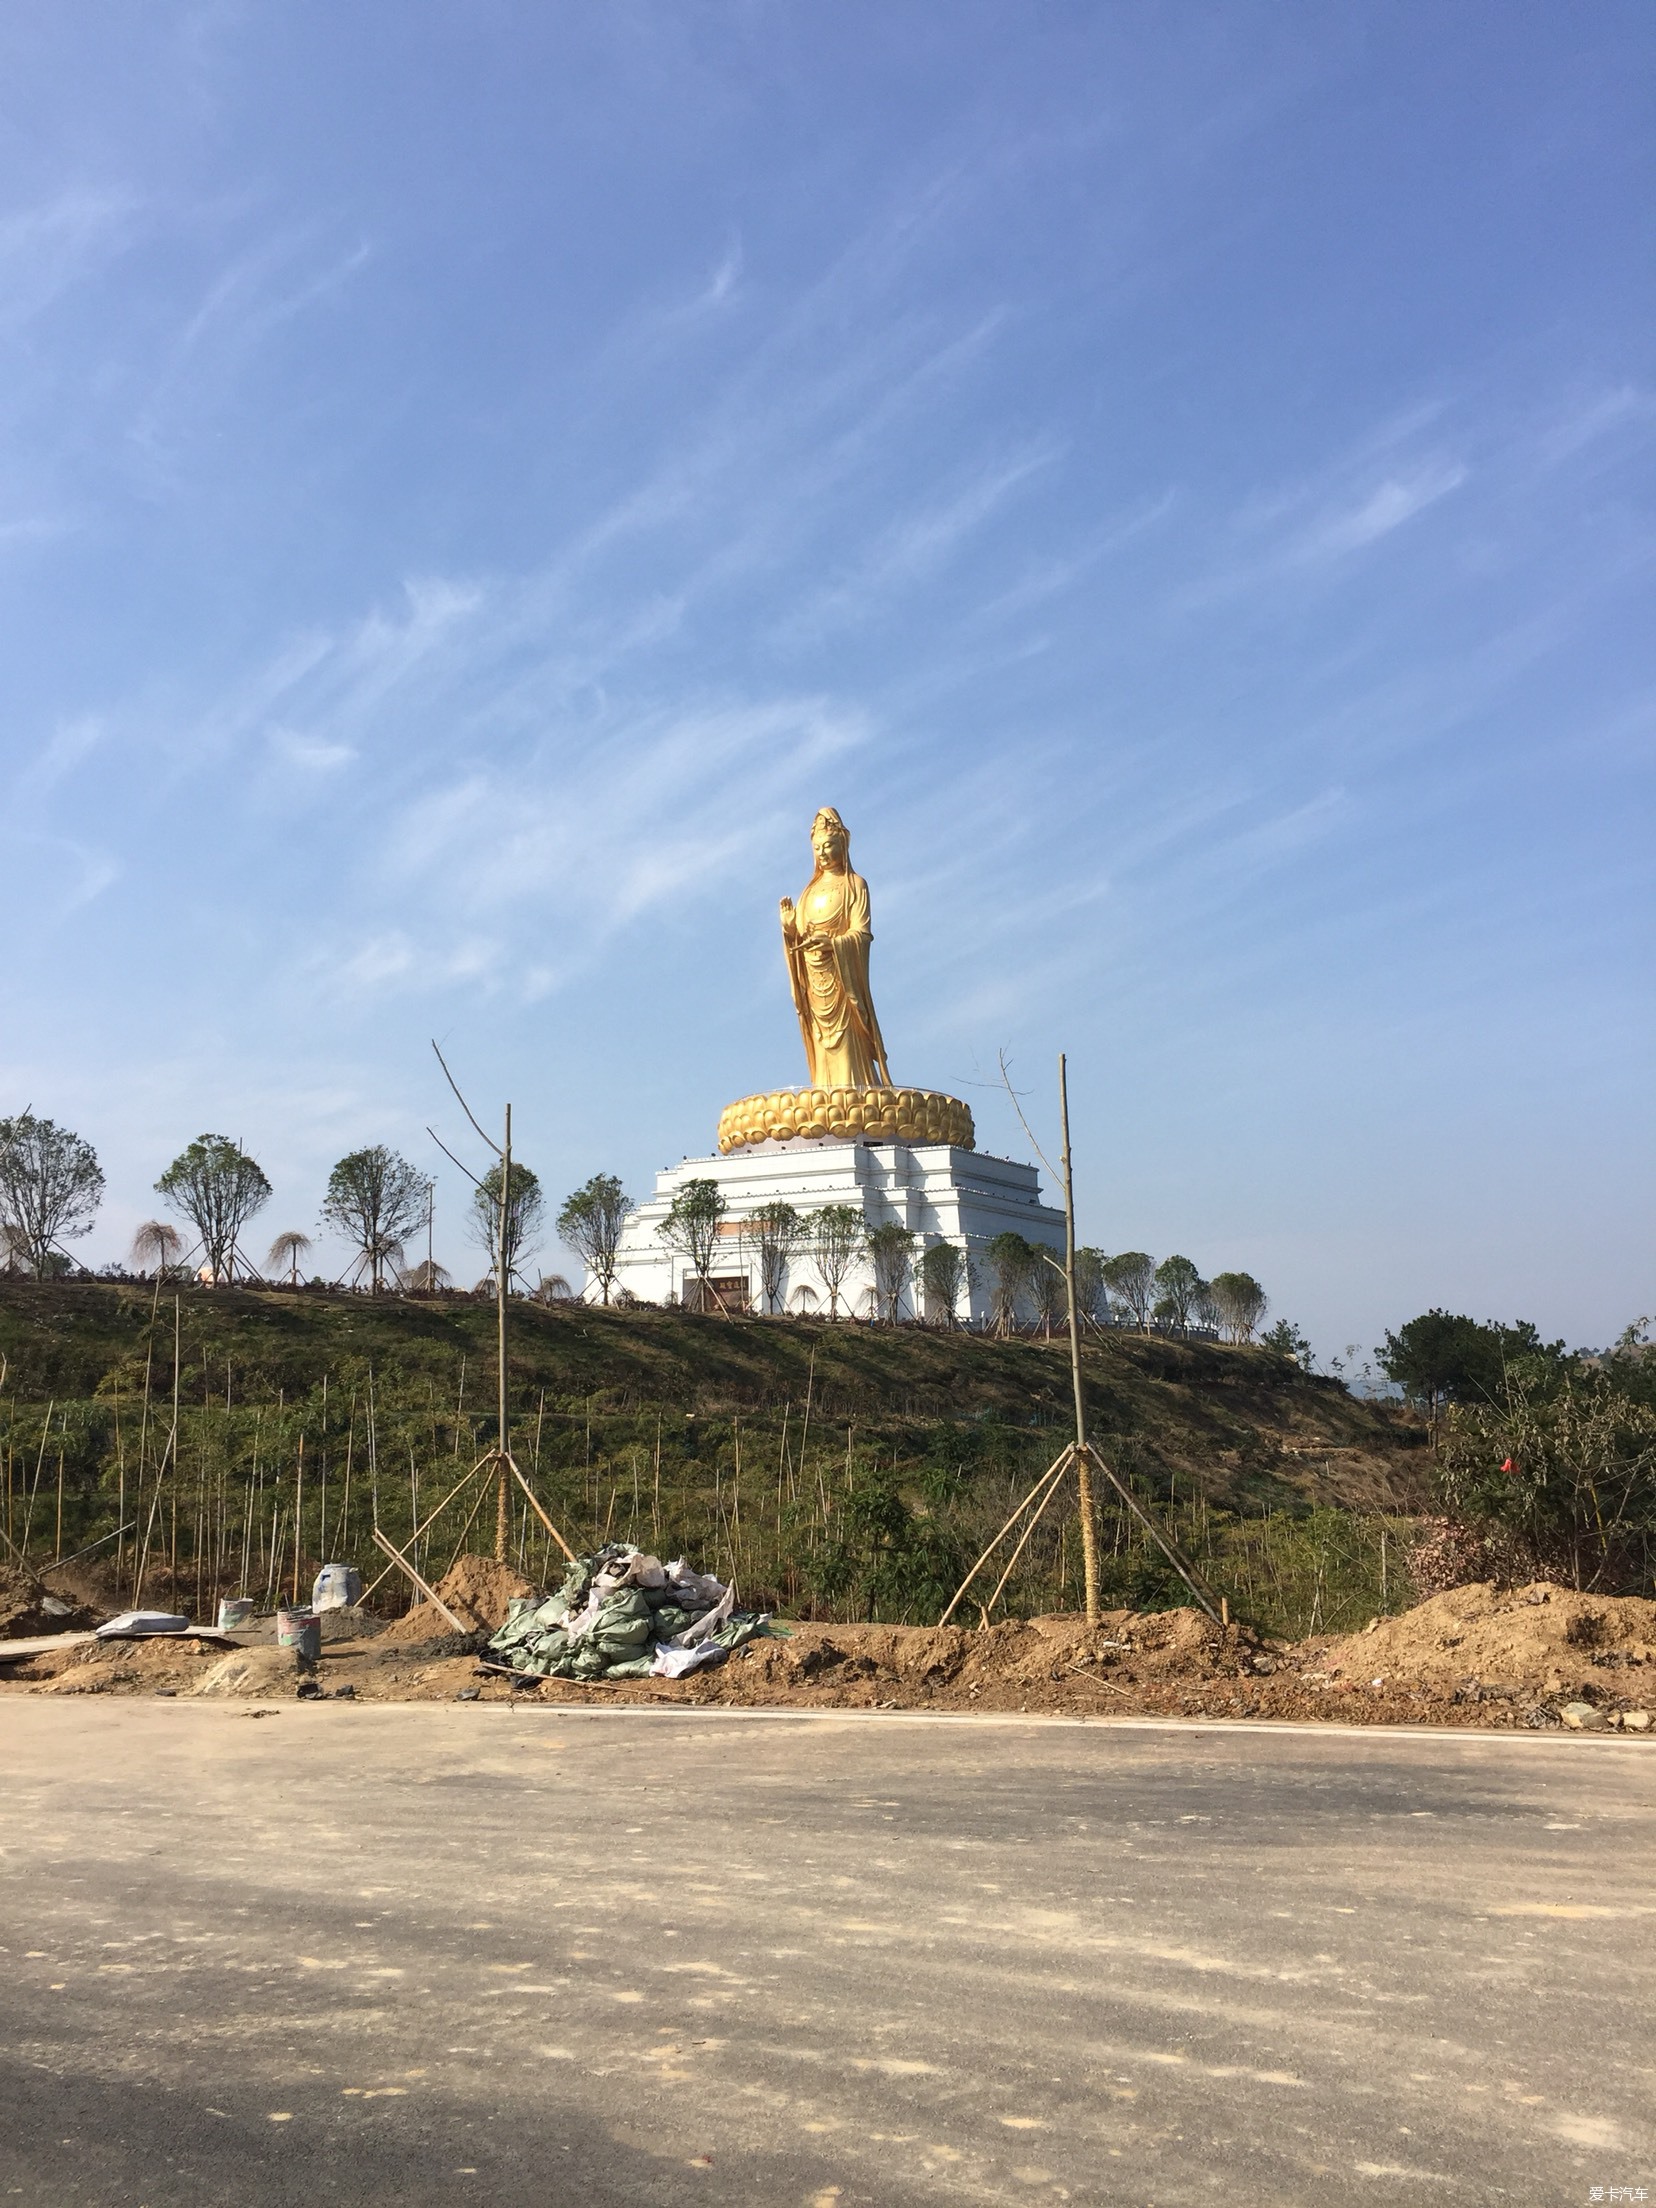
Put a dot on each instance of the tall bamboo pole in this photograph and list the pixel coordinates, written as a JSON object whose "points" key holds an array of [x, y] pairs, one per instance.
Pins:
{"points": [[501, 1270], [1083, 1456]]}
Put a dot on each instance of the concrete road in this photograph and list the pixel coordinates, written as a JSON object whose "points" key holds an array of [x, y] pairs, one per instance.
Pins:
{"points": [[550, 1960]]}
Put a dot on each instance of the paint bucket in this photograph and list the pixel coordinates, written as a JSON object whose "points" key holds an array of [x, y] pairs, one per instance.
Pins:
{"points": [[300, 1630], [338, 1587], [235, 1611]]}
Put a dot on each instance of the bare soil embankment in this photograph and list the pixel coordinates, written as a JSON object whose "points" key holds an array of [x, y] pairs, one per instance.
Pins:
{"points": [[1537, 1656]]}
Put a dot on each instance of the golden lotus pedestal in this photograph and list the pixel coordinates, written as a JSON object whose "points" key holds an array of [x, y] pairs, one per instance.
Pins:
{"points": [[846, 1115]]}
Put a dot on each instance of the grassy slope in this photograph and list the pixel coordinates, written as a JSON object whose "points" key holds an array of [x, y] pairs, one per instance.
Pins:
{"points": [[1241, 1426]]}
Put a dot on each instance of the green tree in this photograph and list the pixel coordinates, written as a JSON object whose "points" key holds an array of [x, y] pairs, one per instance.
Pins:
{"points": [[50, 1186], [1241, 1304], [376, 1199], [692, 1226], [776, 1230], [1180, 1284], [591, 1222], [525, 1209], [1130, 1279], [944, 1278], [1012, 1263], [891, 1246], [836, 1242], [217, 1187], [1287, 1340]]}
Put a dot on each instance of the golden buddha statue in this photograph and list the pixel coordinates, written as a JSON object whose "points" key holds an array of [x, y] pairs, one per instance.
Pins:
{"points": [[850, 1096], [825, 938]]}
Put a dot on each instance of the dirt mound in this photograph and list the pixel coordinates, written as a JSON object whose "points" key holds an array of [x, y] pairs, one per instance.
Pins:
{"points": [[172, 1661], [258, 1672], [477, 1590], [1543, 1638], [29, 1607], [1034, 1663]]}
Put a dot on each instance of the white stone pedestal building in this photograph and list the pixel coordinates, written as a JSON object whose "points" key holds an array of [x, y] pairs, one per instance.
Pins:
{"points": [[941, 1193]]}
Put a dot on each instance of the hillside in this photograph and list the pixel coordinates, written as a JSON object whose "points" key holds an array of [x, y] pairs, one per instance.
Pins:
{"points": [[839, 1470], [1241, 1426]]}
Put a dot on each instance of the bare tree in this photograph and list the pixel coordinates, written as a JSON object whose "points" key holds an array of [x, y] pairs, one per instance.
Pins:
{"points": [[692, 1226], [591, 1222], [1130, 1279], [1012, 1263], [553, 1288], [836, 1243], [1090, 1293], [157, 1247], [376, 1199], [217, 1187], [284, 1254], [776, 1231], [944, 1278], [1046, 1287], [524, 1208], [50, 1186], [891, 1246], [1241, 1304], [428, 1278]]}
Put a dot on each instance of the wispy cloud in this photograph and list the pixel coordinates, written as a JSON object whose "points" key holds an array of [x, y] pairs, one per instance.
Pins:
{"points": [[48, 248], [1378, 512]]}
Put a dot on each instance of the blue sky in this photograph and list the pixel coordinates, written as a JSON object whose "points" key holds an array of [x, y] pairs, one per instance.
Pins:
{"points": [[475, 478]]}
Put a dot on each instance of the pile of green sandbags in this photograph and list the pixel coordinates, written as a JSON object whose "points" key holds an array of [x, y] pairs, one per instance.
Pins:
{"points": [[621, 1614]]}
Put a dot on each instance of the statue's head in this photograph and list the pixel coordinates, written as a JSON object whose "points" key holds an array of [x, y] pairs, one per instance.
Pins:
{"points": [[830, 839]]}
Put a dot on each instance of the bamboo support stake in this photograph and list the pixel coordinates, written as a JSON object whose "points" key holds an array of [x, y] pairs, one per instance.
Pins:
{"points": [[428, 1522], [430, 1593], [1035, 1517], [1083, 1456], [1181, 1563], [1052, 1472], [534, 1505]]}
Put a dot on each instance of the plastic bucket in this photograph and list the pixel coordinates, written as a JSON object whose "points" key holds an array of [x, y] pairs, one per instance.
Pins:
{"points": [[300, 1630], [235, 1611]]}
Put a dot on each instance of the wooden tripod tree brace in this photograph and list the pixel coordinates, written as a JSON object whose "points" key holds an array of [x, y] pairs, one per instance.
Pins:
{"points": [[430, 1593]]}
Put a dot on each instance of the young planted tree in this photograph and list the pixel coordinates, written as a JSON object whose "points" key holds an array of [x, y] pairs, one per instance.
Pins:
{"points": [[1287, 1340], [692, 1228], [376, 1199], [284, 1254], [891, 1246], [1046, 1287], [1012, 1263], [1241, 1304], [157, 1247], [524, 1209], [776, 1231], [1090, 1294], [50, 1187], [1179, 1284], [1130, 1279], [591, 1222], [944, 1279], [217, 1187], [836, 1241]]}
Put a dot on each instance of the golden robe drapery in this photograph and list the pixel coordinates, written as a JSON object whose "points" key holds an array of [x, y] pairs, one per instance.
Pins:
{"points": [[827, 953]]}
